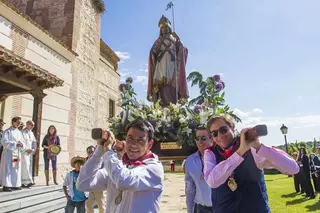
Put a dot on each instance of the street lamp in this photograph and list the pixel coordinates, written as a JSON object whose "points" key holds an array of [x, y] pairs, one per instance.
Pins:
{"points": [[284, 131]]}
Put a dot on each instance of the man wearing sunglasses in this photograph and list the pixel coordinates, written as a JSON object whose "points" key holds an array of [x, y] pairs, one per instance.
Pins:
{"points": [[233, 168], [198, 193]]}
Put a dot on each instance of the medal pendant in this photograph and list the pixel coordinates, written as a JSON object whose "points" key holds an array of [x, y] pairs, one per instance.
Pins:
{"points": [[202, 176], [118, 199], [232, 184]]}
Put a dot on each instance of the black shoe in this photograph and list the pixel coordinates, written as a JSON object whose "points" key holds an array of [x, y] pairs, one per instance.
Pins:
{"points": [[312, 197], [16, 188], [6, 189], [26, 186]]}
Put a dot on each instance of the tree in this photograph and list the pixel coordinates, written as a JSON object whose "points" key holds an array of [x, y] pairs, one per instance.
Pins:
{"points": [[315, 145]]}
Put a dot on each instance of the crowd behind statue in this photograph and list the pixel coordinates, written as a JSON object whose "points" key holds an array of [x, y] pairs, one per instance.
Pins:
{"points": [[309, 170]]}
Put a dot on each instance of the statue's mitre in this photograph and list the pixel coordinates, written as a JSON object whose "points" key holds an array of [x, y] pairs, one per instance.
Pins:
{"points": [[164, 22]]}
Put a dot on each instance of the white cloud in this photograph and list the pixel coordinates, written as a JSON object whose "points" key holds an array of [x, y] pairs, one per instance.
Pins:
{"points": [[302, 127], [240, 113], [143, 70], [141, 79], [123, 55], [124, 74], [297, 120]]}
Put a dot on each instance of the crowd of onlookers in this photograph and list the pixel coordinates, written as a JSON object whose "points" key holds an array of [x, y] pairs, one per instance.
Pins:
{"points": [[309, 170], [17, 147]]}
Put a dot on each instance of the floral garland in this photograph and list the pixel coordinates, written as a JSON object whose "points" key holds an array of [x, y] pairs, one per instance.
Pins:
{"points": [[176, 122]]}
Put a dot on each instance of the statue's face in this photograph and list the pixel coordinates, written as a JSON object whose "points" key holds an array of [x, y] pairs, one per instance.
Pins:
{"points": [[165, 30]]}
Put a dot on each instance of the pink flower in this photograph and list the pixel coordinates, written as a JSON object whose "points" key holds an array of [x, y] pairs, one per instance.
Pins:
{"points": [[219, 86]]}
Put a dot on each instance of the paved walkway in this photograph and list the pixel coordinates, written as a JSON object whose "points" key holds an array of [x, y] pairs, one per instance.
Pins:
{"points": [[173, 198]]}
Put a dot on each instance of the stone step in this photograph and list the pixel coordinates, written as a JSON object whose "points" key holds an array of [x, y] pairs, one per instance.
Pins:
{"points": [[26, 202], [51, 206], [62, 210], [35, 190]]}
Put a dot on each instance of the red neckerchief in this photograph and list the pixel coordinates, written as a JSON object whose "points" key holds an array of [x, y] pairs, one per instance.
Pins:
{"points": [[138, 162], [229, 151]]}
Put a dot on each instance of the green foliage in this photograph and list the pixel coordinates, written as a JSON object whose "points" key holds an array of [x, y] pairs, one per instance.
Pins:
{"points": [[315, 146], [302, 144], [99, 5], [210, 94]]}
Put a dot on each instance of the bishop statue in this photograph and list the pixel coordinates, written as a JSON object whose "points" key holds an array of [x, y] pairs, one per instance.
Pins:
{"points": [[167, 67]]}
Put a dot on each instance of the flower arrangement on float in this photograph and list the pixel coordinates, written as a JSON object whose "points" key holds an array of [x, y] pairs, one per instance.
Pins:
{"points": [[176, 122]]}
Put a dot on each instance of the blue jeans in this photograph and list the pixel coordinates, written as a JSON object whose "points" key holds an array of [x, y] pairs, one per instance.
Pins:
{"points": [[47, 161], [71, 205]]}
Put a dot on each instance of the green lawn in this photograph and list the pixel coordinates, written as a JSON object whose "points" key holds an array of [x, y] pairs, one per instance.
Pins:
{"points": [[283, 199]]}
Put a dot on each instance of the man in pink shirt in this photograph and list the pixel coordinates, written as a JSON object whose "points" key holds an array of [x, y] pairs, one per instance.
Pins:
{"points": [[233, 168]]}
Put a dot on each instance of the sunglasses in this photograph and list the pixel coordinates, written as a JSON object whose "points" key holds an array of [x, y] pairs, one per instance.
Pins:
{"points": [[201, 138], [221, 130]]}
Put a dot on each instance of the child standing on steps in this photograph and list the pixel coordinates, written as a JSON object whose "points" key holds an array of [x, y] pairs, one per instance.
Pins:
{"points": [[75, 198]]}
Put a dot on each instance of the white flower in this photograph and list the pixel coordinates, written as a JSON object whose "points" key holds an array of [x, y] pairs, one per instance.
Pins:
{"points": [[189, 131], [183, 120]]}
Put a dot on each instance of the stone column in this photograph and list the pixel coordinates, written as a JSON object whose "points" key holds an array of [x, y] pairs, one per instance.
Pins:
{"points": [[37, 117]]}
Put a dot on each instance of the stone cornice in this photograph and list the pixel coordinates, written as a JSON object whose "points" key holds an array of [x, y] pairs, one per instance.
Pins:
{"points": [[109, 54], [26, 24]]}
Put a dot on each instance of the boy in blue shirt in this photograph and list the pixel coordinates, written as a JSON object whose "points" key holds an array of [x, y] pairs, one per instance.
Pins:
{"points": [[76, 199]]}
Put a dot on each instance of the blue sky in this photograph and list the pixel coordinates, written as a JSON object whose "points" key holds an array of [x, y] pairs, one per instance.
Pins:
{"points": [[268, 52]]}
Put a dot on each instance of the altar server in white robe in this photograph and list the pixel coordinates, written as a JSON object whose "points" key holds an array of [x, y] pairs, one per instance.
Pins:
{"points": [[133, 184], [27, 155], [12, 142]]}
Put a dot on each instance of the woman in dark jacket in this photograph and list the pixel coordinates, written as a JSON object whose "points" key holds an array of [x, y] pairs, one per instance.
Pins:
{"points": [[303, 161], [50, 138], [313, 172]]}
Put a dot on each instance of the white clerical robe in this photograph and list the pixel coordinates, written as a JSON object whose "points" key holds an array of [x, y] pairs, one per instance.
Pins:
{"points": [[11, 158], [27, 158], [138, 188]]}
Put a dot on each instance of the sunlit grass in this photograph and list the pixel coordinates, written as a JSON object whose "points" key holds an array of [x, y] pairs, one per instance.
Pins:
{"points": [[284, 199]]}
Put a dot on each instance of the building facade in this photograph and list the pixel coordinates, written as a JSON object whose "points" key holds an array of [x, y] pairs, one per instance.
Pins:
{"points": [[63, 39]]}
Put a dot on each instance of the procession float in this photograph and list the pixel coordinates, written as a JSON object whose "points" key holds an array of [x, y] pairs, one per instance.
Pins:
{"points": [[169, 109]]}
